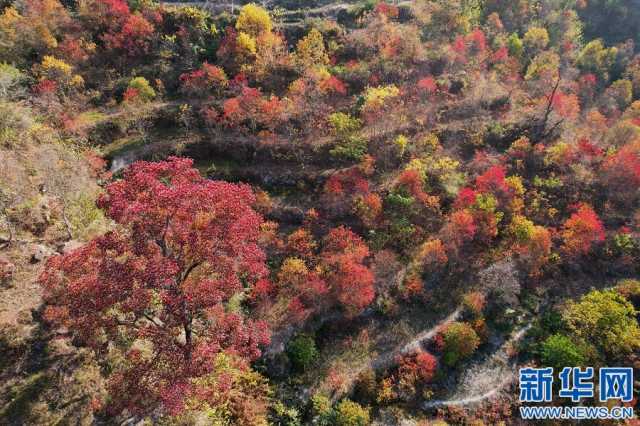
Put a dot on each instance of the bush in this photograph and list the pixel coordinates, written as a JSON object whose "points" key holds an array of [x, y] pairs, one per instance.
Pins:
{"points": [[302, 352], [460, 342], [6, 271], [560, 351], [366, 386], [630, 289], [10, 79], [15, 121], [142, 88], [349, 145], [350, 413], [322, 411], [474, 303], [536, 39]]}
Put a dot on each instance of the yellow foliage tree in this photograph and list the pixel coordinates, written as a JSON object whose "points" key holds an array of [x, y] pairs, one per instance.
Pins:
{"points": [[52, 68], [310, 51], [254, 20]]}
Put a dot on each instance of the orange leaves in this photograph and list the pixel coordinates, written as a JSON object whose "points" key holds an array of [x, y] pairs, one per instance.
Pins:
{"points": [[427, 84], [350, 281], [432, 254], [134, 38], [622, 170], [581, 231], [205, 80], [301, 243], [566, 105], [369, 208], [332, 85], [463, 225]]}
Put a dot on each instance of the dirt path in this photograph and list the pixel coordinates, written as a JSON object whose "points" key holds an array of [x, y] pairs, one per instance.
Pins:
{"points": [[494, 373], [387, 359]]}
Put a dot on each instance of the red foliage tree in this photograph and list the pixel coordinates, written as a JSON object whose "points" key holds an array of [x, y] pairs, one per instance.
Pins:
{"points": [[105, 15], [134, 38], [500, 55], [466, 198], [301, 243], [130, 95], [160, 282], [566, 106], [332, 85], [350, 281], [424, 364], [622, 172], [386, 9], [411, 180], [581, 231], [478, 40], [205, 80], [427, 84], [415, 369], [493, 180], [459, 229]]}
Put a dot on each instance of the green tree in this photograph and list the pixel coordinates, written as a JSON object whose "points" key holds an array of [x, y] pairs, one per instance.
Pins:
{"points": [[349, 144], [596, 58], [302, 352], [322, 411], [606, 320], [460, 342], [560, 351], [514, 43]]}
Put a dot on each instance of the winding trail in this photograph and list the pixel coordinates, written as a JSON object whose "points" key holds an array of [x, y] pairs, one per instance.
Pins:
{"points": [[387, 359], [495, 373]]}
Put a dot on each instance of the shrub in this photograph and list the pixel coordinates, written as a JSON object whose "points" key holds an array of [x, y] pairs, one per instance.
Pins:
{"points": [[515, 45], [460, 342], [322, 410], [6, 271], [350, 413], [560, 351], [142, 88], [630, 289], [10, 79], [376, 97], [302, 352], [474, 303], [15, 121], [345, 128], [366, 386], [536, 39]]}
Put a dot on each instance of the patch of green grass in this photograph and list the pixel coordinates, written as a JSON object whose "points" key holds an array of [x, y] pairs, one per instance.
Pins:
{"points": [[123, 145], [90, 118]]}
